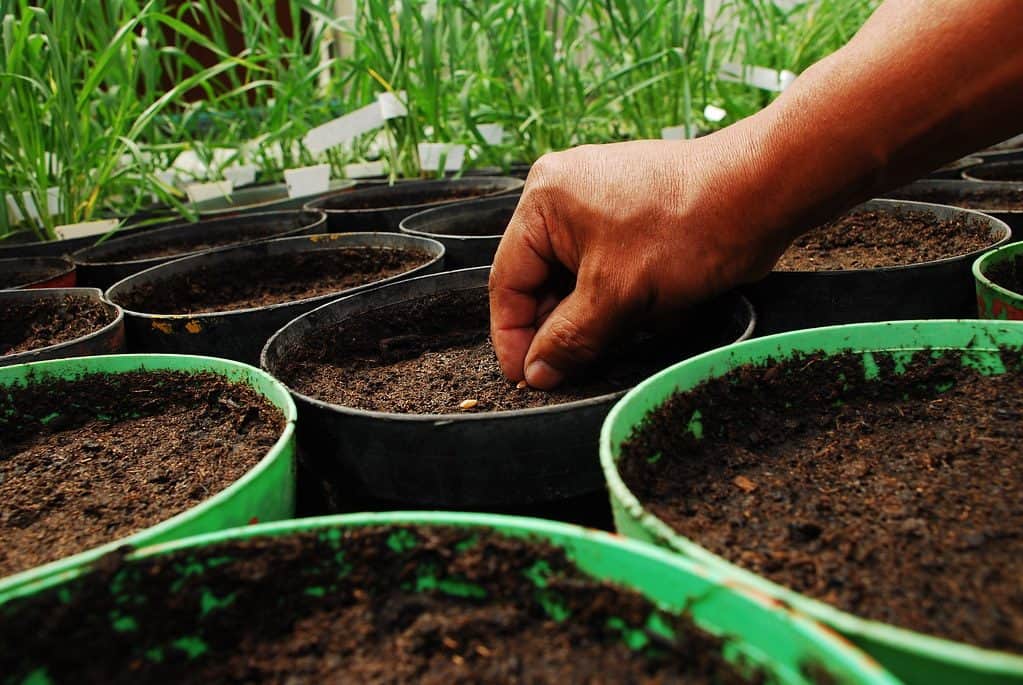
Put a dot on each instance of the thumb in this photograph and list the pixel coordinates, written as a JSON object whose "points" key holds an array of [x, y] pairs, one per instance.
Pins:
{"points": [[573, 335]]}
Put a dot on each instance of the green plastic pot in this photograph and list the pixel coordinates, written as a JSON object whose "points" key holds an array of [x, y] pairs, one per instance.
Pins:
{"points": [[761, 631], [265, 493], [993, 300], [914, 657]]}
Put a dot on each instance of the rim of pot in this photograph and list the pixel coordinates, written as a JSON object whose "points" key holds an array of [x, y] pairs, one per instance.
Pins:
{"points": [[256, 189], [66, 262], [739, 299], [437, 255], [979, 264], [94, 294], [77, 255], [503, 184], [422, 216], [996, 166], [993, 223]]}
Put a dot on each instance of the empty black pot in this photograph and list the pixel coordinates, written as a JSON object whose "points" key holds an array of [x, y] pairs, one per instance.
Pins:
{"points": [[102, 265], [470, 231], [382, 207], [486, 461], [939, 289], [239, 334]]}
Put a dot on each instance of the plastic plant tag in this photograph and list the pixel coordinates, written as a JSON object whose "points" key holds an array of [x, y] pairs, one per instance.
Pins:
{"points": [[241, 174], [712, 113], [431, 155], [674, 133], [492, 133], [13, 211], [307, 180], [365, 169], [84, 229], [197, 192], [53, 203], [344, 128], [758, 77], [392, 105], [188, 163]]}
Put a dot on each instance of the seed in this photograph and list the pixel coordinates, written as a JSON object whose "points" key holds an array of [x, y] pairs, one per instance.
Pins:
{"points": [[468, 404], [744, 484], [521, 384], [449, 643]]}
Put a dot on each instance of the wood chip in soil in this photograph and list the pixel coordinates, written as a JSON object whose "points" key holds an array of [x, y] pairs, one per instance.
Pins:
{"points": [[869, 239], [273, 279], [990, 199], [899, 500], [32, 325], [366, 605], [89, 460], [434, 356]]}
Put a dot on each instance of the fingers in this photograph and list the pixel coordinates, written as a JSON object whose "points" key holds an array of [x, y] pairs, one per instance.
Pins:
{"points": [[522, 268]]}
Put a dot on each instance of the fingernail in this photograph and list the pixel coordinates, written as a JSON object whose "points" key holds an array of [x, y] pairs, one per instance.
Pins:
{"points": [[542, 375]]}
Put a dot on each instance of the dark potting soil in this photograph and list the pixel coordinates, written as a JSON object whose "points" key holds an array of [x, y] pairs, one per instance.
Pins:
{"points": [[1005, 171], [405, 198], [266, 280], [86, 461], [899, 500], [369, 605], [990, 199], [30, 274], [868, 239], [434, 356], [171, 246], [31, 325], [1008, 274]]}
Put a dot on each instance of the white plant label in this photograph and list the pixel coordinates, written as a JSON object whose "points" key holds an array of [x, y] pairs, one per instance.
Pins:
{"points": [[712, 113], [344, 128], [13, 212], [758, 77], [674, 133], [53, 203], [492, 133], [197, 192], [85, 229], [241, 174], [307, 180], [392, 104], [431, 154], [365, 169]]}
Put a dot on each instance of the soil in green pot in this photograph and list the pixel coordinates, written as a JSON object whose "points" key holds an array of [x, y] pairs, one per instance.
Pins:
{"points": [[434, 356], [1008, 274], [32, 325], [269, 280], [364, 605], [990, 199], [869, 239], [900, 500], [86, 461]]}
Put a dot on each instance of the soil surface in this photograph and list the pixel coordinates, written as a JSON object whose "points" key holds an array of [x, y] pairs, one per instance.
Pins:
{"points": [[170, 245], [868, 239], [1008, 274], [266, 280], [490, 225], [371, 605], [30, 274], [991, 199], [86, 461], [31, 325], [898, 500], [434, 356], [404, 198]]}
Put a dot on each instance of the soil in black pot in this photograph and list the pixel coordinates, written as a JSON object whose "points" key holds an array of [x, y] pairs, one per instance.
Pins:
{"points": [[369, 605], [85, 461], [1003, 171], [31, 273], [399, 197], [31, 325], [990, 199], [869, 239], [434, 356], [264, 281], [1008, 274], [898, 500]]}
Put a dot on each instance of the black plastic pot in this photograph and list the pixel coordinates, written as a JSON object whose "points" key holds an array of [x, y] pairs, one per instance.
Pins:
{"points": [[996, 172], [37, 272], [968, 194], [102, 265], [954, 170], [240, 334], [25, 244], [470, 231], [262, 198], [382, 207], [107, 340], [486, 461], [940, 289]]}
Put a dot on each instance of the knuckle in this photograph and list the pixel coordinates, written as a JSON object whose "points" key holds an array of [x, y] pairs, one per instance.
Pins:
{"points": [[572, 338]]}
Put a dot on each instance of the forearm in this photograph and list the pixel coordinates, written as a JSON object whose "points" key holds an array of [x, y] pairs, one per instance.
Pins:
{"points": [[922, 83]]}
